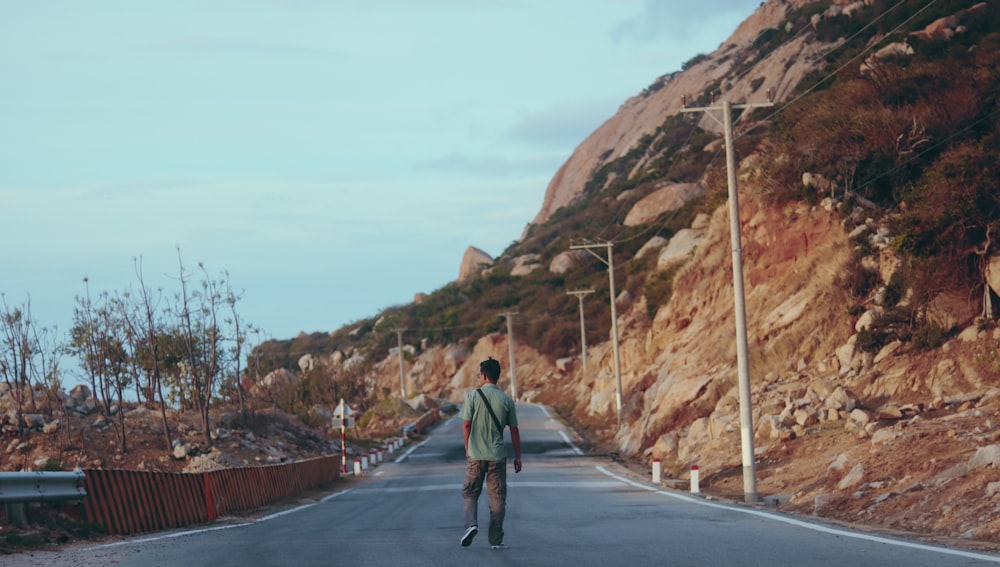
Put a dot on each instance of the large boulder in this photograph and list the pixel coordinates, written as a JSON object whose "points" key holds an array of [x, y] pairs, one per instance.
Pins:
{"points": [[680, 246], [565, 261], [524, 265], [669, 198], [473, 262], [655, 243]]}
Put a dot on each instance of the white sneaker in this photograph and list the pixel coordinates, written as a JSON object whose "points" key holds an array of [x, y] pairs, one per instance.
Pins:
{"points": [[469, 534]]}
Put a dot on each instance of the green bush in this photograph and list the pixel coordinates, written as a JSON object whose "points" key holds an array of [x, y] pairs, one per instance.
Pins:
{"points": [[693, 61], [895, 290], [659, 288], [858, 280], [929, 337], [869, 340], [52, 465]]}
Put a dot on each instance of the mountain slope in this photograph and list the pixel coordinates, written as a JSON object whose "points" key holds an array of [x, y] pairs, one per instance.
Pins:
{"points": [[742, 72], [868, 202]]}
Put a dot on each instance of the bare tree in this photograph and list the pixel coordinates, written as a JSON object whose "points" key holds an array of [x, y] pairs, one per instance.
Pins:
{"points": [[239, 339], [201, 325], [26, 358], [98, 339], [153, 358], [80, 343]]}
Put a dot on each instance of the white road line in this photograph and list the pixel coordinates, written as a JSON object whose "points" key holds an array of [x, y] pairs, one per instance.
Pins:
{"points": [[802, 524], [570, 442], [216, 528], [335, 494], [402, 457], [168, 536]]}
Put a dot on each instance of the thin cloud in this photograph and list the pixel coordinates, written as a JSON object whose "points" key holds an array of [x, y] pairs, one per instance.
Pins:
{"points": [[673, 21], [229, 46], [562, 127], [532, 166]]}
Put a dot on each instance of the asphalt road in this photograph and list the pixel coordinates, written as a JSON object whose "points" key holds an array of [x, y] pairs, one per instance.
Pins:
{"points": [[564, 508]]}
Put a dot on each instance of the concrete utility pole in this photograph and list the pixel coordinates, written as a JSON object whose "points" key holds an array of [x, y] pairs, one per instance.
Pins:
{"points": [[510, 351], [610, 262], [402, 376], [739, 298], [580, 294]]}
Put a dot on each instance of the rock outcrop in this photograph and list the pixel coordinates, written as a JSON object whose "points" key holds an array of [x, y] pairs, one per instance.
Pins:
{"points": [[779, 70], [665, 199], [473, 262]]}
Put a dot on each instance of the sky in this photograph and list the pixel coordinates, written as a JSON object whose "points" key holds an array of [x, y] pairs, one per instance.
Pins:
{"points": [[333, 157]]}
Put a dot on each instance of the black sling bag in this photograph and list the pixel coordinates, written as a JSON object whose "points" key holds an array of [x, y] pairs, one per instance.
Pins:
{"points": [[490, 409]]}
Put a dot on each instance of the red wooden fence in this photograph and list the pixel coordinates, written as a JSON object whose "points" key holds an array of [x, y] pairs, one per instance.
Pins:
{"points": [[127, 502]]}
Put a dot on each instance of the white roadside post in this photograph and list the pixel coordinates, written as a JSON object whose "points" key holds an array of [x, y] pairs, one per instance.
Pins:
{"points": [[695, 489], [657, 479]]}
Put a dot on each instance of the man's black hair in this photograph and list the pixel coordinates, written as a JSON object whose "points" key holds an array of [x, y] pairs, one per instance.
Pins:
{"points": [[491, 368]]}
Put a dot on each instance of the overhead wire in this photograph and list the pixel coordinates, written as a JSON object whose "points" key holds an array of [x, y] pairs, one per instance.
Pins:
{"points": [[836, 71], [661, 225], [816, 85]]}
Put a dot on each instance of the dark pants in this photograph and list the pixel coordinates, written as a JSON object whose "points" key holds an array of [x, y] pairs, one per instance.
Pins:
{"points": [[495, 475]]}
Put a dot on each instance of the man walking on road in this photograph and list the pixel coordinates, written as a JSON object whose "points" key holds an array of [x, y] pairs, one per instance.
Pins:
{"points": [[485, 413]]}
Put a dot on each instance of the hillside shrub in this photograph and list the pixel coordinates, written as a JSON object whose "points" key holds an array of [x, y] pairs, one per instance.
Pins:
{"points": [[858, 280], [659, 288], [929, 337], [895, 289], [693, 61]]}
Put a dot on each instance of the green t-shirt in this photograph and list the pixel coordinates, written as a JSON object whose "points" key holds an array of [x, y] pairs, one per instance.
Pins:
{"points": [[485, 442]]}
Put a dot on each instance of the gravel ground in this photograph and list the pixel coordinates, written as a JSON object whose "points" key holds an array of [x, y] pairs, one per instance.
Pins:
{"points": [[77, 555]]}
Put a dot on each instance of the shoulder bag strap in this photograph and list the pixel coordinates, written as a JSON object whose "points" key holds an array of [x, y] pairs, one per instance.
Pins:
{"points": [[490, 409]]}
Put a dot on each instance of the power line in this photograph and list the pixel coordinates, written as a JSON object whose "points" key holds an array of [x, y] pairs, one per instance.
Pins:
{"points": [[802, 95]]}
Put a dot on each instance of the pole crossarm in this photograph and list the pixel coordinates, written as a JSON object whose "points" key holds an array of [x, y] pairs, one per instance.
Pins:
{"points": [[588, 249], [707, 109]]}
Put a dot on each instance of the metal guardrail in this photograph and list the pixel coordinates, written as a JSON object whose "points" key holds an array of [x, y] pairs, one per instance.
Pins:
{"points": [[41, 486]]}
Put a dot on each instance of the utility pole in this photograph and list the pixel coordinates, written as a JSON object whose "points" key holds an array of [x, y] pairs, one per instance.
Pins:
{"points": [[739, 298], [580, 294], [510, 351], [610, 262], [402, 376]]}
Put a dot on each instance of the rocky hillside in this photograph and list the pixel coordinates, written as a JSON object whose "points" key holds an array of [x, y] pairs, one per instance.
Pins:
{"points": [[868, 208], [738, 68]]}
